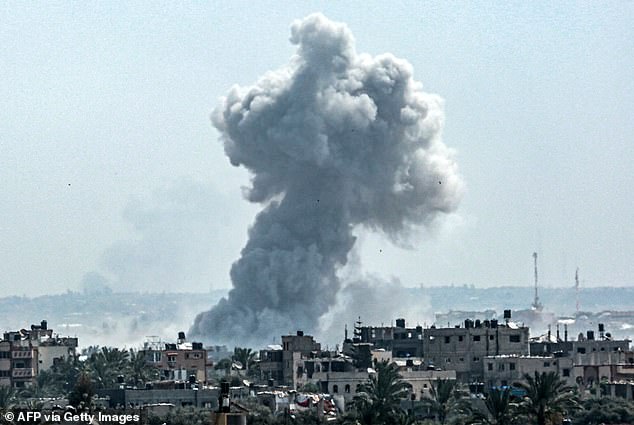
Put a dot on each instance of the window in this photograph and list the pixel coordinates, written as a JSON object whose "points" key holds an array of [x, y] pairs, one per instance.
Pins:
{"points": [[4, 373], [448, 360], [335, 389], [447, 339], [546, 364], [514, 338], [491, 337], [462, 359], [511, 366], [581, 350], [566, 372], [460, 338], [476, 359], [490, 366], [347, 388], [501, 367], [5, 355], [476, 338]]}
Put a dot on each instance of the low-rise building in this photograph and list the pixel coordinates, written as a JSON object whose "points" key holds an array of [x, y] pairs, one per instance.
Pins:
{"points": [[179, 361], [25, 353], [400, 340], [463, 348], [505, 370]]}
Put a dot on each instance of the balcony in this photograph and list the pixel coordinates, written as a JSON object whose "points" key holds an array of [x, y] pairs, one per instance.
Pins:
{"points": [[22, 354], [22, 373]]}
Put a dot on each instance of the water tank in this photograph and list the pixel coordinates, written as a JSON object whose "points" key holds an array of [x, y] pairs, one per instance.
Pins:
{"points": [[590, 335], [468, 324], [601, 327], [181, 335], [478, 323], [400, 323], [44, 325], [507, 314], [300, 333], [494, 323]]}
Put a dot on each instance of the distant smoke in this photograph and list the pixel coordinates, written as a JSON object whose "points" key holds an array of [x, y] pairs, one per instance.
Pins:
{"points": [[376, 302], [333, 140], [173, 247]]}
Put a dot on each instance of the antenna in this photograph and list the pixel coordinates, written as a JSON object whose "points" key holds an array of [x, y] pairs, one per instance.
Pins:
{"points": [[577, 287], [537, 306]]}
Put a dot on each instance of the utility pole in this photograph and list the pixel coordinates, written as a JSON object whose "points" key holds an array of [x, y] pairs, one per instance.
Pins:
{"points": [[577, 288], [537, 306]]}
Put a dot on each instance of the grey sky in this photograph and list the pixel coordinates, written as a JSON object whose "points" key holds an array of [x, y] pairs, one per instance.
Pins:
{"points": [[106, 147]]}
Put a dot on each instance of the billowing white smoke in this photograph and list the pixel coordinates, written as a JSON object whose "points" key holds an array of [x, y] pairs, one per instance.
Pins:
{"points": [[333, 140]]}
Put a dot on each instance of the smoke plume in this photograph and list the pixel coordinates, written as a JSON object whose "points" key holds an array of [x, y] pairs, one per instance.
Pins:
{"points": [[333, 140]]}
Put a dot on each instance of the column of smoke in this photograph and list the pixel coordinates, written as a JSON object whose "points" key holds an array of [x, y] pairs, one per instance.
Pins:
{"points": [[333, 140]]}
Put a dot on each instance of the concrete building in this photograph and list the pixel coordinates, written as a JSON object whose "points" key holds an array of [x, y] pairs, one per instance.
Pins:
{"points": [[400, 340], [463, 348], [584, 344], [25, 353], [505, 370], [284, 365], [348, 383], [177, 361]]}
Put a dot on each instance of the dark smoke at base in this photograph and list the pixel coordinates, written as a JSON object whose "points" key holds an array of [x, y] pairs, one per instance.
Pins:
{"points": [[333, 140]]}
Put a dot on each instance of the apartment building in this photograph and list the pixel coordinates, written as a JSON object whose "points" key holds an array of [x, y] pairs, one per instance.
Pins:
{"points": [[177, 361], [463, 348], [400, 340], [27, 352]]}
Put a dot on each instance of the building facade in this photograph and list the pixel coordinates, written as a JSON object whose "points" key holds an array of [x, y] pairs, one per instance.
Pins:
{"points": [[463, 348], [25, 353]]}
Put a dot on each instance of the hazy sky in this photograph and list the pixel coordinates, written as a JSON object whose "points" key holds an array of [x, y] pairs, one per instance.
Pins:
{"points": [[109, 162]]}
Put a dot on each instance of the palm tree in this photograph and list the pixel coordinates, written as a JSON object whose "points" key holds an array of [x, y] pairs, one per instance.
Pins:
{"points": [[547, 396], [245, 356], [138, 370], [106, 365], [443, 399], [64, 374], [7, 397], [379, 399], [500, 409]]}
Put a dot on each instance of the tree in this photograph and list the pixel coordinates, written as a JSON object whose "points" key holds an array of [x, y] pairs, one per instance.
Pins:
{"points": [[7, 397], [379, 399], [605, 410], [107, 364], [443, 399], [245, 356], [547, 397], [499, 409], [138, 370], [64, 374], [83, 393]]}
